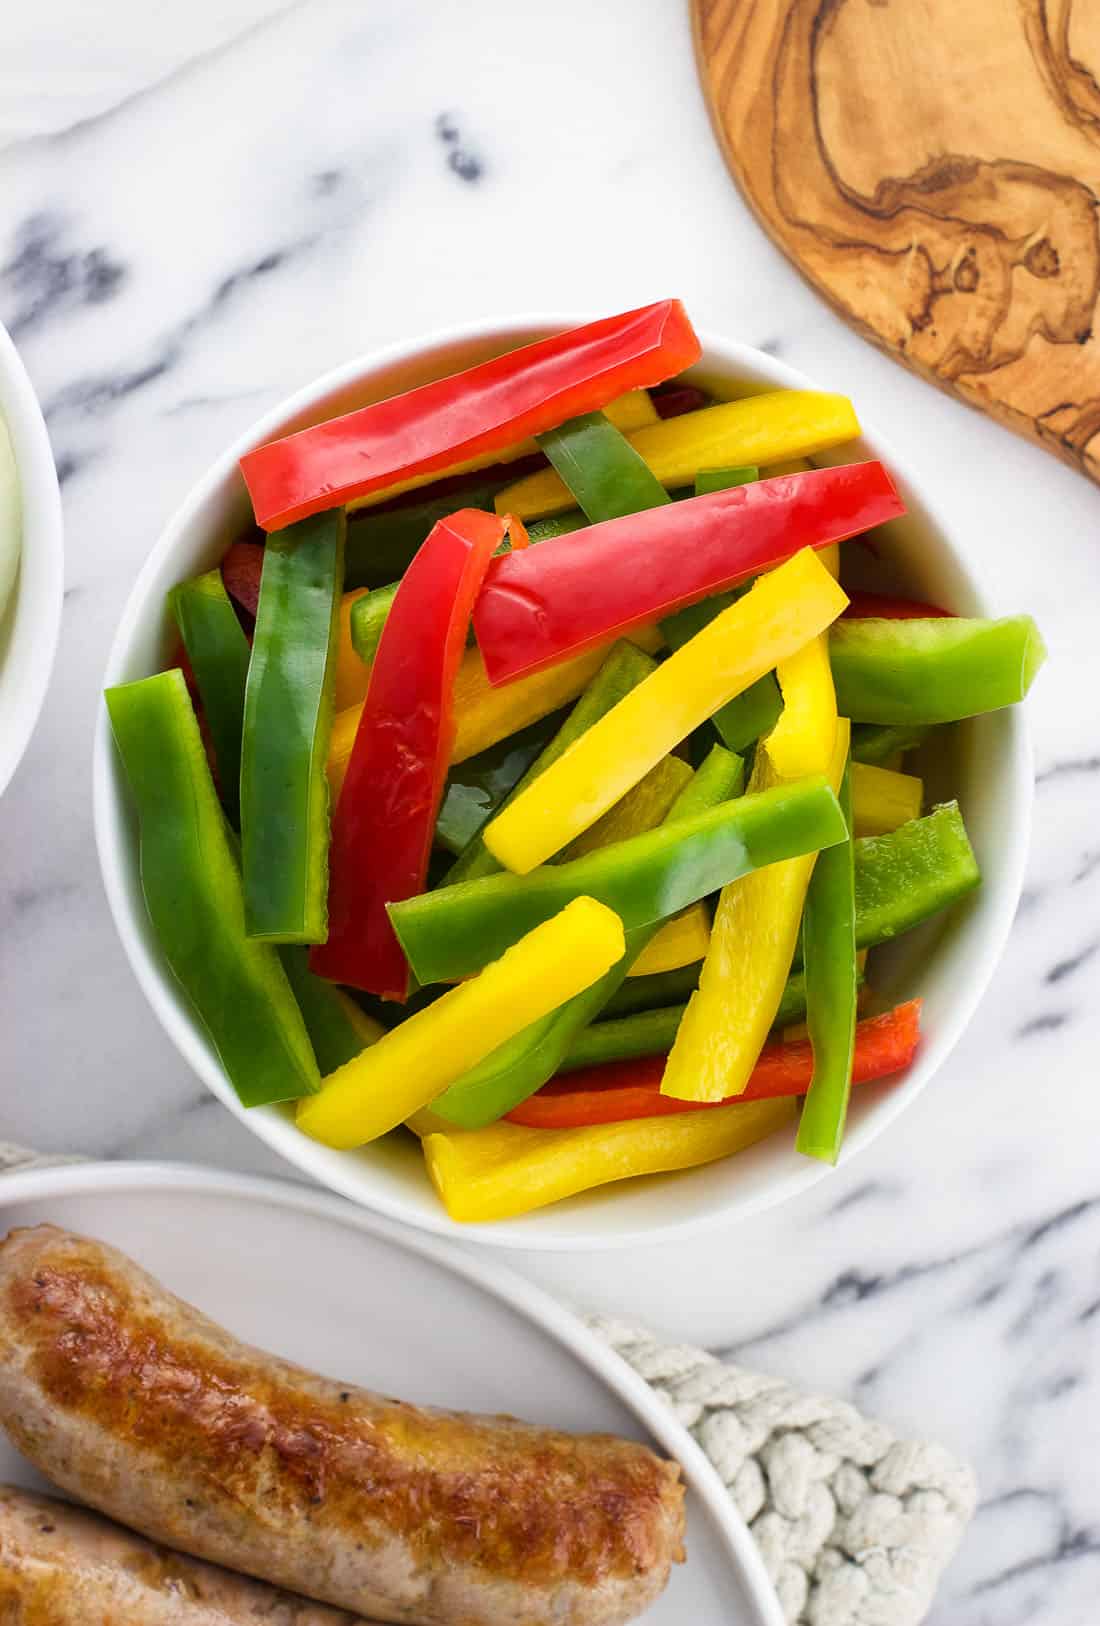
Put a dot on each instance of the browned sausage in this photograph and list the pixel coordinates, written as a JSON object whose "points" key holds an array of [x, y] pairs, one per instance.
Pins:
{"points": [[60, 1566], [138, 1405]]}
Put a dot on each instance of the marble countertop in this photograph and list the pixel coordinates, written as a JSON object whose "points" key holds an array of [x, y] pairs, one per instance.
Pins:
{"points": [[195, 218]]}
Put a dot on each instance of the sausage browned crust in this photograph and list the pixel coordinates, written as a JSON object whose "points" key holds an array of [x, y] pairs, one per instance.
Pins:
{"points": [[60, 1566], [137, 1404]]}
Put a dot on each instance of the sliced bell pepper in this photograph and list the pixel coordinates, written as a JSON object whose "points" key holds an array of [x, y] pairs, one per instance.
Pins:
{"points": [[748, 715], [338, 1030], [883, 799], [774, 619], [414, 1062], [935, 671], [468, 415], [756, 924], [759, 430], [242, 570], [708, 480], [673, 400], [454, 931], [553, 601], [880, 743], [384, 821], [648, 1031], [643, 808], [352, 673], [885, 606], [496, 1173], [485, 714], [683, 940], [832, 990], [913, 872], [193, 892], [478, 786], [287, 722], [218, 652], [624, 1090], [604, 473], [516, 1069], [623, 669]]}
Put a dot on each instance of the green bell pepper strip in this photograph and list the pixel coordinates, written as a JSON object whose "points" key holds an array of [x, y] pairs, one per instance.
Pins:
{"points": [[478, 786], [287, 722], [543, 530], [368, 617], [194, 895], [523, 1065], [649, 1033], [382, 543], [934, 671], [660, 989], [601, 468], [910, 874], [721, 479], [876, 743], [832, 989], [452, 933], [625, 667], [218, 651], [336, 1031]]}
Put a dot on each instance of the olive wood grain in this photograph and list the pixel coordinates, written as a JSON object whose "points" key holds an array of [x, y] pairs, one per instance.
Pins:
{"points": [[933, 168]]}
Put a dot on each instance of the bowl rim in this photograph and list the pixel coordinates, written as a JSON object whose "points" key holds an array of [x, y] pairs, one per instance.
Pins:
{"points": [[538, 1234], [35, 610]]}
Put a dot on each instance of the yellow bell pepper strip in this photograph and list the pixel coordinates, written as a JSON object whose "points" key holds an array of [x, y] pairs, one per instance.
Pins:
{"points": [[628, 412], [490, 1174], [485, 714], [683, 940], [338, 1030], [832, 990], [755, 929], [775, 618], [413, 1063], [543, 604], [452, 932], [218, 652], [624, 668], [882, 744], [287, 722], [938, 670], [352, 674], [760, 430], [516, 1069], [883, 799], [453, 421], [193, 892]]}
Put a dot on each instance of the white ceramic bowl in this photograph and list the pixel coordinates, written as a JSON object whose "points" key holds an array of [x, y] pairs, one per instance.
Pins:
{"points": [[949, 962], [32, 620]]}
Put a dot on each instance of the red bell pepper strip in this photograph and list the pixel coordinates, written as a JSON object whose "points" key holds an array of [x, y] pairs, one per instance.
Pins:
{"points": [[885, 607], [677, 399], [468, 414], [384, 821], [542, 605], [242, 568], [632, 1089]]}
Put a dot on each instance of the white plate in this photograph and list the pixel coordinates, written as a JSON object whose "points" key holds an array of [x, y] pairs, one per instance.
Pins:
{"points": [[318, 1281]]}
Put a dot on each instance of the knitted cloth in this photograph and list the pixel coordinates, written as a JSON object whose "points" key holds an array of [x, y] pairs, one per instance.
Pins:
{"points": [[854, 1524]]}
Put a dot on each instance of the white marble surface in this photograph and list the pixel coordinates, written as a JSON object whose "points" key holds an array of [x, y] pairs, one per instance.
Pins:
{"points": [[217, 213]]}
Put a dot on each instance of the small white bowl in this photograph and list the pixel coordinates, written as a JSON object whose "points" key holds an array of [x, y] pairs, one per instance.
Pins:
{"points": [[30, 625], [949, 962]]}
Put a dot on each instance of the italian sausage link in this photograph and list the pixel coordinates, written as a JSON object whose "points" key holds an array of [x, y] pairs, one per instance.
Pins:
{"points": [[137, 1404], [63, 1567]]}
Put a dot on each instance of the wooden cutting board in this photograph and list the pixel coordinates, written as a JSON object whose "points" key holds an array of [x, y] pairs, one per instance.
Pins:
{"points": [[933, 167]]}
